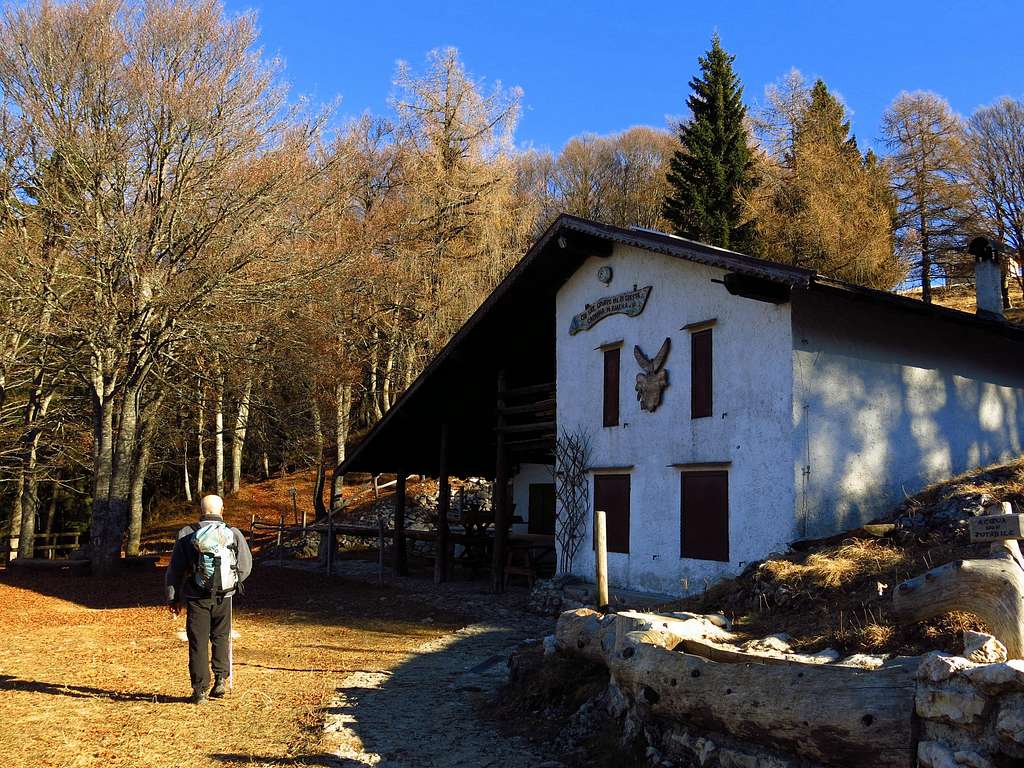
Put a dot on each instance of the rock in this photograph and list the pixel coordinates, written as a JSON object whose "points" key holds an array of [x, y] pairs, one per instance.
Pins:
{"points": [[997, 678], [936, 667], [863, 661], [971, 759], [982, 648], [778, 643], [934, 754], [1010, 721], [959, 507], [549, 645], [826, 656], [953, 706]]}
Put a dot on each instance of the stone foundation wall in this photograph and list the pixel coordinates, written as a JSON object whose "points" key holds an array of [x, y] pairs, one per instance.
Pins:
{"points": [[698, 701]]}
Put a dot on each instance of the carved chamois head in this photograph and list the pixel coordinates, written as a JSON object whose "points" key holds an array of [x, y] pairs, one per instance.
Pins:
{"points": [[652, 382]]}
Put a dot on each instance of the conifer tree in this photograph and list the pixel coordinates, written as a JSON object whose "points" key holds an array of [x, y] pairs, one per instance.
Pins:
{"points": [[820, 204], [712, 170]]}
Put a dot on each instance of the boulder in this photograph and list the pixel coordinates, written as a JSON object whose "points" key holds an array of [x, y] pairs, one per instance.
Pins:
{"points": [[937, 666], [953, 706], [997, 678], [1010, 721], [935, 754], [863, 661], [982, 648], [778, 643]]}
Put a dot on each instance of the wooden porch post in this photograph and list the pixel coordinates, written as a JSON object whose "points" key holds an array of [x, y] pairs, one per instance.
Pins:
{"points": [[443, 502], [401, 565], [499, 499]]}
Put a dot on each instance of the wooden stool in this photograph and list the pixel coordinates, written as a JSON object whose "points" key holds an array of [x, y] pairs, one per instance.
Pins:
{"points": [[522, 568]]}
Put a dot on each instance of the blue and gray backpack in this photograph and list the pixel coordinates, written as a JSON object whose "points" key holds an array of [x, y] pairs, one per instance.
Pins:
{"points": [[216, 565]]}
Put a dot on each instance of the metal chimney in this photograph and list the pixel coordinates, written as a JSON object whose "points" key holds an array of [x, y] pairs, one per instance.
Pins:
{"points": [[988, 282]]}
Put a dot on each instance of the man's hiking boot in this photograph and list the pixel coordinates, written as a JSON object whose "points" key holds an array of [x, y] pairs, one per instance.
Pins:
{"points": [[218, 690], [198, 696]]}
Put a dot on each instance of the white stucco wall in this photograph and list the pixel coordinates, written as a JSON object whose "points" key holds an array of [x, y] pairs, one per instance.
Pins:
{"points": [[750, 427], [528, 475], [885, 403]]}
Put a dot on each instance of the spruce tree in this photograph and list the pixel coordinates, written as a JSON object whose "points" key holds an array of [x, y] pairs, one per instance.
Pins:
{"points": [[712, 170]]}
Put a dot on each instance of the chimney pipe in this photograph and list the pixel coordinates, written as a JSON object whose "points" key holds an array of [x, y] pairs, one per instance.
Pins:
{"points": [[988, 281]]}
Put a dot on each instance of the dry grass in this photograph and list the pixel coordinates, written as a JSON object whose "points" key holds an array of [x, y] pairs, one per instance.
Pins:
{"points": [[962, 297], [838, 566], [92, 674]]}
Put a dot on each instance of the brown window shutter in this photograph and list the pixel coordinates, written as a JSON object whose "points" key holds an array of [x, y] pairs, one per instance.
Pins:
{"points": [[611, 387], [611, 494], [704, 531], [700, 374]]}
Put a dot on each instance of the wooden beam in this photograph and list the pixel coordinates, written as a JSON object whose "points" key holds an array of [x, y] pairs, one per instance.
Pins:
{"points": [[401, 562], [516, 429], [499, 500], [533, 389], [443, 504], [540, 406]]}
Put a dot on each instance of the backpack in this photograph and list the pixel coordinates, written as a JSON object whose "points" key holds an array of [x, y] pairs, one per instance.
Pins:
{"points": [[216, 565]]}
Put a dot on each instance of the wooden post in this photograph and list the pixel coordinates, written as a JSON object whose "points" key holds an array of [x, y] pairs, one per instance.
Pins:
{"points": [[295, 509], [380, 550], [401, 565], [280, 541], [443, 503], [601, 555], [330, 544], [252, 527], [499, 500]]}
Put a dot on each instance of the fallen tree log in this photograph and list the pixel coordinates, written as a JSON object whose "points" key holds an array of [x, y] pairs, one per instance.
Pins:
{"points": [[991, 588], [839, 716]]}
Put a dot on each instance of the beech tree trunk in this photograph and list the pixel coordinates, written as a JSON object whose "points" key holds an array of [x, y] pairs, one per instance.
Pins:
{"points": [[14, 519], [238, 435], [318, 447], [200, 451], [51, 510], [991, 588], [343, 407], [188, 483], [112, 479], [29, 507], [140, 467], [218, 444]]}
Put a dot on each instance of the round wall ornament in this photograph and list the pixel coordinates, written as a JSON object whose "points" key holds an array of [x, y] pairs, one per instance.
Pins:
{"points": [[604, 274]]}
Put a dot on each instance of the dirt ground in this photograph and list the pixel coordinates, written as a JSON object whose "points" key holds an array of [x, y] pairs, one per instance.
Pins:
{"points": [[92, 672]]}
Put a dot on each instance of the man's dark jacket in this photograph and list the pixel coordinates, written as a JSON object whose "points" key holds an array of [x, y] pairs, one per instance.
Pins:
{"points": [[179, 582]]}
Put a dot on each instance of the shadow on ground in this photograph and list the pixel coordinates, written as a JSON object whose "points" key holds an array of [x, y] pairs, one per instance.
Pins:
{"points": [[9, 683]]}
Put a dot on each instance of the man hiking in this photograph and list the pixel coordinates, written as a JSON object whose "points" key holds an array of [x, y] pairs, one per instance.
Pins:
{"points": [[209, 563]]}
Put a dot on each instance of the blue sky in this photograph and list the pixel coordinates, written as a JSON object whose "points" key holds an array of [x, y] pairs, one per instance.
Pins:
{"points": [[604, 66]]}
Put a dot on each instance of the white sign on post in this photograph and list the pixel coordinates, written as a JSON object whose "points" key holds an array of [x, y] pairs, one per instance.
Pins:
{"points": [[997, 528]]}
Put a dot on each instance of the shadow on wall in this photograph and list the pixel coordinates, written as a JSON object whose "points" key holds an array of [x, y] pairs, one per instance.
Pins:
{"points": [[884, 411]]}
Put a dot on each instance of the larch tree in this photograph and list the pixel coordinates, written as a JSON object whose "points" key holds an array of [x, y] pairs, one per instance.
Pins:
{"points": [[995, 175], [819, 203], [460, 187], [926, 142], [711, 172]]}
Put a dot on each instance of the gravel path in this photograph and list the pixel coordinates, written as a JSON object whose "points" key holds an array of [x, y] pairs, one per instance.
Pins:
{"points": [[424, 712]]}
